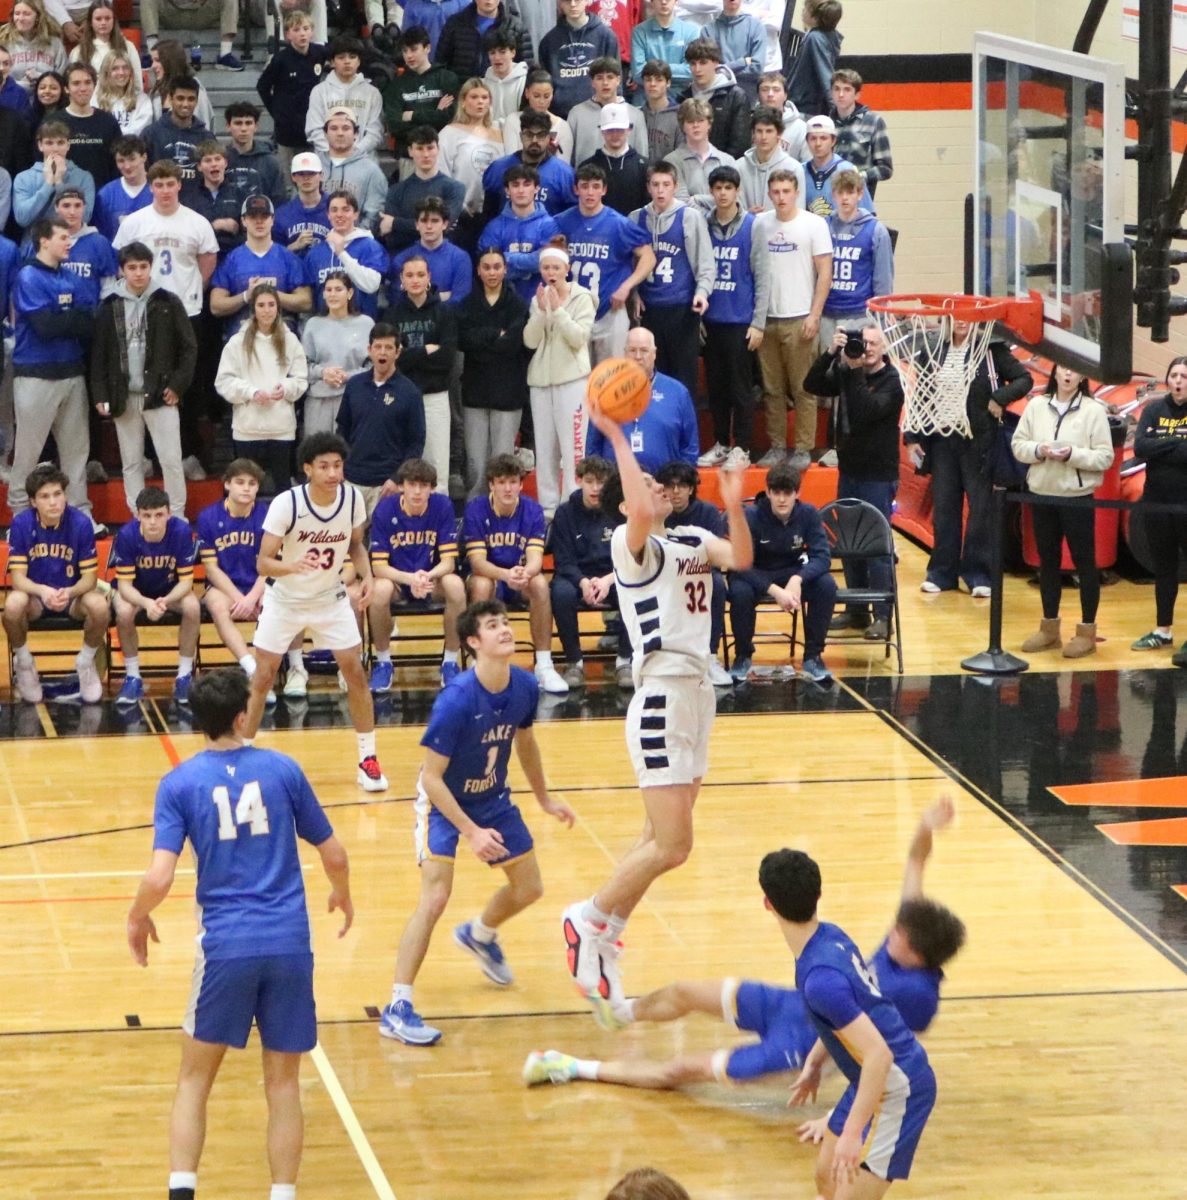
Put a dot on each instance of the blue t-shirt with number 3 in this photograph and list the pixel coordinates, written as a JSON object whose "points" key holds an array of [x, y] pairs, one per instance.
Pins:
{"points": [[242, 812], [601, 251]]}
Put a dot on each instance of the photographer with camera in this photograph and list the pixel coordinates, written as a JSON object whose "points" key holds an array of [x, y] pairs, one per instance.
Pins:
{"points": [[865, 433]]}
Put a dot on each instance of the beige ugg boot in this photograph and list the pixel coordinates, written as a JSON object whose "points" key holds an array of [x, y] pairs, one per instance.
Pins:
{"points": [[1047, 637], [1083, 643]]}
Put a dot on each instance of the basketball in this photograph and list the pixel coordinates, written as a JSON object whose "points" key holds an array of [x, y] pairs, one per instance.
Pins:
{"points": [[620, 388]]}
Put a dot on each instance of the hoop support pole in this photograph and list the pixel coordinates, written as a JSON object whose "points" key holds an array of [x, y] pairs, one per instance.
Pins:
{"points": [[994, 660]]}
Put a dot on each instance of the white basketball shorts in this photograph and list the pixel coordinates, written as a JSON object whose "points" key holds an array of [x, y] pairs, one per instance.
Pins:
{"points": [[332, 623], [667, 729]]}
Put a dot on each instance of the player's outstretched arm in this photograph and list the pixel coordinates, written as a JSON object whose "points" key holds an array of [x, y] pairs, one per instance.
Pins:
{"points": [[487, 844], [640, 503], [154, 887], [737, 554], [337, 868], [528, 752], [937, 817]]}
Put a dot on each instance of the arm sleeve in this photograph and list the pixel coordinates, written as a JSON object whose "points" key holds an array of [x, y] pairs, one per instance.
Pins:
{"points": [[30, 194], [363, 277], [315, 118], [169, 824], [185, 351], [821, 379], [700, 251], [883, 262], [371, 126], [1097, 455], [414, 430], [690, 438], [760, 265], [829, 995], [230, 382], [1024, 445], [575, 328], [881, 164], [296, 381], [1016, 379]]}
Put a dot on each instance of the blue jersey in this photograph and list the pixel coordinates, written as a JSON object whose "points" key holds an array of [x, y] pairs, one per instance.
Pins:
{"points": [[837, 988], [52, 555], [732, 300], [278, 266], [242, 812], [506, 540], [853, 267], [474, 729], [93, 260], [914, 991], [601, 251], [521, 239], [10, 264], [154, 568], [557, 183], [413, 543], [450, 270], [113, 204], [320, 260], [232, 543], [39, 288], [672, 283], [293, 219]]}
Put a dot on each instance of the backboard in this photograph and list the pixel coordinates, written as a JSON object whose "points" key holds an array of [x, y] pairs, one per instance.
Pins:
{"points": [[1049, 197]]}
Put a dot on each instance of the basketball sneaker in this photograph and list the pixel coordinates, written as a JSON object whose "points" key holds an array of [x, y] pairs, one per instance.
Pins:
{"points": [[296, 681], [90, 686], [370, 777], [489, 955], [714, 456], [550, 1067], [181, 689], [582, 945], [381, 676], [28, 682], [131, 691], [402, 1023]]}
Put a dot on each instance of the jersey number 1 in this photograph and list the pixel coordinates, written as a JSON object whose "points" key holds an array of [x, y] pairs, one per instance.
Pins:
{"points": [[249, 810]]}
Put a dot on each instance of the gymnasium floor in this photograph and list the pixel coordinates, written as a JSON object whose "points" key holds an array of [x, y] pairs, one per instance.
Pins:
{"points": [[1057, 1046]]}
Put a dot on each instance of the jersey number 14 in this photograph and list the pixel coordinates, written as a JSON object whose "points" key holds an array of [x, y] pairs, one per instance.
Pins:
{"points": [[249, 810]]}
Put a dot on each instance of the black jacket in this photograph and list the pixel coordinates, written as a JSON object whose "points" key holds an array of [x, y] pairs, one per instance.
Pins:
{"points": [[580, 540], [1161, 440], [433, 324], [226, 202], [170, 355], [730, 130], [285, 86], [495, 371], [865, 419], [460, 47], [626, 179]]}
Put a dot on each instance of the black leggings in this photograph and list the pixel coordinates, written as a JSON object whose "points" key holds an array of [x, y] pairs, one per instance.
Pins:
{"points": [[1078, 525], [1166, 535]]}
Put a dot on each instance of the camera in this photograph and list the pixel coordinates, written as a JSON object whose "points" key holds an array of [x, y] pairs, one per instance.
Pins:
{"points": [[855, 344]]}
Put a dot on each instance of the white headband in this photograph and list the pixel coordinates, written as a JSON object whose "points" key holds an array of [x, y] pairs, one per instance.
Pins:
{"points": [[554, 252]]}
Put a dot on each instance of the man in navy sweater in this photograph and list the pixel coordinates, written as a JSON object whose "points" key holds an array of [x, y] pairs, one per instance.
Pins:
{"points": [[791, 562], [382, 418], [397, 222], [583, 575]]}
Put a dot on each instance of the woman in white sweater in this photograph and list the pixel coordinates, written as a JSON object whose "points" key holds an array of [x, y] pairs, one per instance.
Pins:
{"points": [[468, 145], [118, 94], [336, 345], [262, 374], [558, 331]]}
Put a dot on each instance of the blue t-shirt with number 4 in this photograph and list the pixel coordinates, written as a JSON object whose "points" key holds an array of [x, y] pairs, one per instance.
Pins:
{"points": [[601, 251], [242, 812]]}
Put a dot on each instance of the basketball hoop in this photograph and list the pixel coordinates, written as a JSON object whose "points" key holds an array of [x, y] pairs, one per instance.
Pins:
{"points": [[918, 331]]}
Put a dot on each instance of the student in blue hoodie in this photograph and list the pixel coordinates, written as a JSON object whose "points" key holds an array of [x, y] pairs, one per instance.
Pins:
{"points": [[177, 133], [36, 190], [791, 566], [556, 177], [521, 230], [567, 51]]}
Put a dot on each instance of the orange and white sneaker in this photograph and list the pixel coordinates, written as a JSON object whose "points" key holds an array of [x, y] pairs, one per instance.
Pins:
{"points": [[582, 952], [370, 777]]}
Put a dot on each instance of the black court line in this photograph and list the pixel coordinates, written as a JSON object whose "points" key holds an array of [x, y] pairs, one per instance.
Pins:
{"points": [[1028, 834], [584, 1012], [616, 787]]}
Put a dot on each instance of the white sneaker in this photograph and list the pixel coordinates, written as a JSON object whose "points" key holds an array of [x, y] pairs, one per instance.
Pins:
{"points": [[296, 682], [551, 681], [930, 588], [90, 686], [582, 950], [737, 460], [525, 457], [982, 592], [714, 457], [717, 675], [192, 469], [28, 682]]}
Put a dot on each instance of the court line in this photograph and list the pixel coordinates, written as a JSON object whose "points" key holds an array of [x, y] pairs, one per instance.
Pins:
{"points": [[354, 1130], [47, 723], [1143, 931]]}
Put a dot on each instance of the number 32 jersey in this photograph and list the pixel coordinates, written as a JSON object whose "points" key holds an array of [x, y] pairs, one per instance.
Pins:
{"points": [[665, 601]]}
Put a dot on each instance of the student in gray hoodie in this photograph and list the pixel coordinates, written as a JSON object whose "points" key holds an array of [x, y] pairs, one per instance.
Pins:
{"points": [[142, 362], [660, 110], [585, 119], [346, 165], [765, 155], [344, 87]]}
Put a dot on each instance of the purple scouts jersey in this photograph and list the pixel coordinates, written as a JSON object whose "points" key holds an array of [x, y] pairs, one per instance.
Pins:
{"points": [[154, 568], [92, 259], [837, 988], [475, 728], [232, 543], [242, 812], [914, 991], [320, 260], [293, 219], [506, 540], [52, 555], [601, 251], [113, 204], [413, 543], [278, 265]]}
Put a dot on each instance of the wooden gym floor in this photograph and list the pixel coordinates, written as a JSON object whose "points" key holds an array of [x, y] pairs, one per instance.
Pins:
{"points": [[1058, 1042]]}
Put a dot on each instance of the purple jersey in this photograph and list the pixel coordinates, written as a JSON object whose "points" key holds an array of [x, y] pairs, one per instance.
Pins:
{"points": [[413, 543], [506, 540], [232, 543], [154, 568], [52, 555]]}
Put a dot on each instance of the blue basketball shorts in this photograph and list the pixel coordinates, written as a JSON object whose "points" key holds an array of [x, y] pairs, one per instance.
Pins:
{"points": [[777, 1015], [898, 1121], [275, 991], [437, 838]]}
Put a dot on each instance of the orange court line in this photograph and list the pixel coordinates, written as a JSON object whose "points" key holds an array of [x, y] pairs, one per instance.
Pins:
{"points": [[1170, 831], [1170, 792]]}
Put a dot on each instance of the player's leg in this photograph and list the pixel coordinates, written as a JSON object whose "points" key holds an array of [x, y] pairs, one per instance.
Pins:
{"points": [[200, 1062], [19, 609], [819, 598], [677, 1000], [94, 611], [480, 587], [264, 676], [286, 1121], [379, 614], [132, 689], [218, 605], [451, 591], [190, 611], [553, 1067], [743, 597], [540, 620], [362, 716]]}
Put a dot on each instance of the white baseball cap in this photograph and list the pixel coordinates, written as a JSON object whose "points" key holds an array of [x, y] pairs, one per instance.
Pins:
{"points": [[305, 161], [822, 125], [615, 116]]}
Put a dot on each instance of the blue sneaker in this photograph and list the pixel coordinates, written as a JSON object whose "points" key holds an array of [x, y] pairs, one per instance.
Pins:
{"points": [[815, 670], [449, 672], [181, 689], [228, 62], [402, 1023], [381, 677], [740, 670], [132, 691], [489, 954]]}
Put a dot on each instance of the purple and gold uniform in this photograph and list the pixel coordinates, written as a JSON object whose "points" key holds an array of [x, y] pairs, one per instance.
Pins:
{"points": [[506, 540], [411, 543], [232, 543], [52, 555], [154, 568]]}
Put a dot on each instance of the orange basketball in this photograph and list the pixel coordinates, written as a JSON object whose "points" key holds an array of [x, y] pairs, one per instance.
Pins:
{"points": [[620, 388]]}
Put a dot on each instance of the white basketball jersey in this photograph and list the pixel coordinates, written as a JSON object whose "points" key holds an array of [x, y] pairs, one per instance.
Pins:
{"points": [[320, 534], [665, 601]]}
